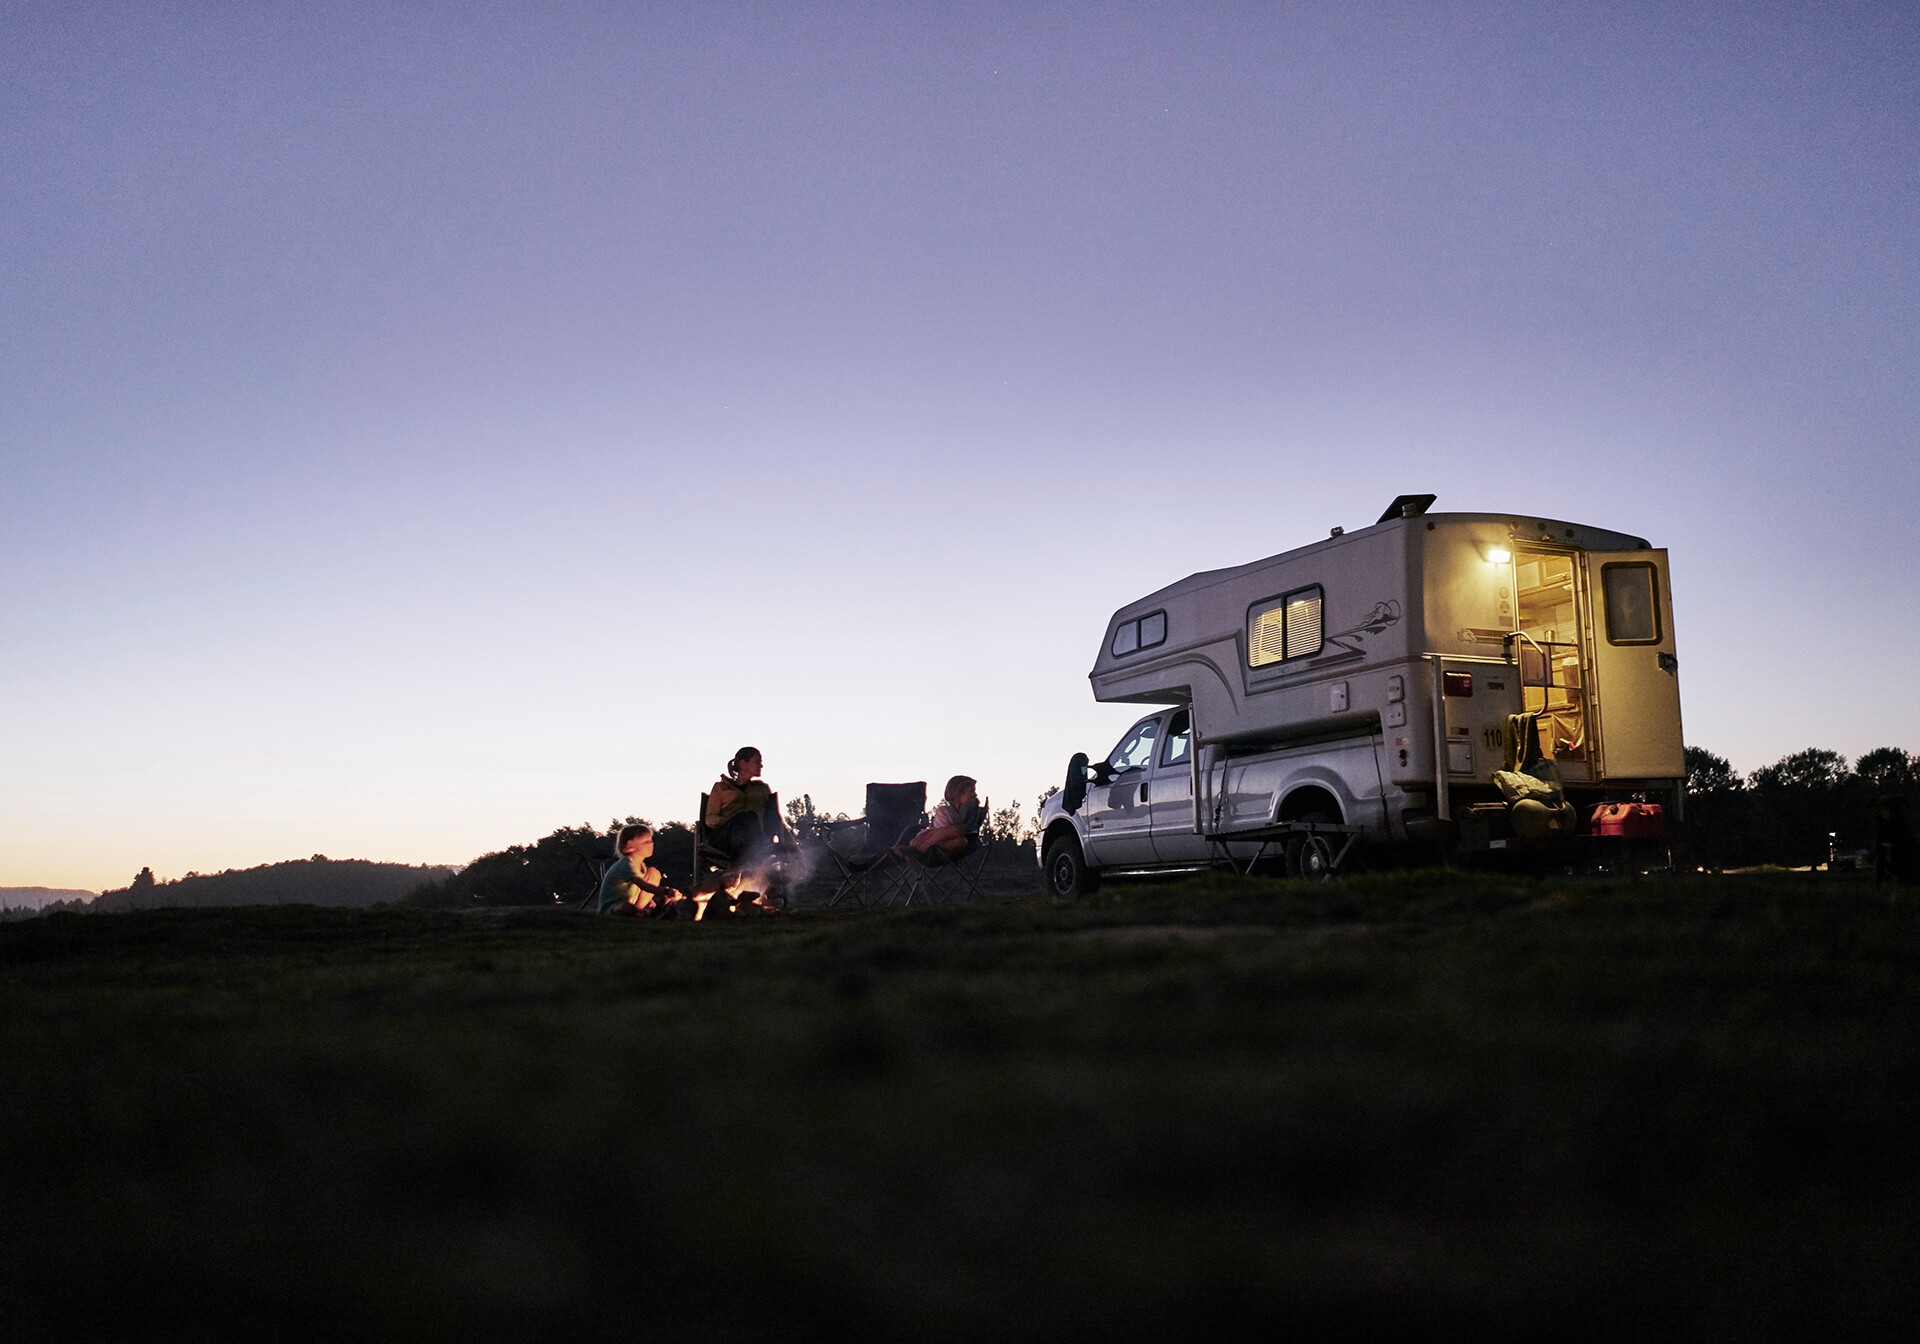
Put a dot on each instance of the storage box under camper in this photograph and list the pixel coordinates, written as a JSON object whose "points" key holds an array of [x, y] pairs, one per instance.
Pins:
{"points": [[1375, 678]]}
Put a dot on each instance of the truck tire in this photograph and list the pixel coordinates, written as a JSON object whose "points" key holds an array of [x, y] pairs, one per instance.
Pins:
{"points": [[1311, 856], [1065, 870], [1315, 859]]}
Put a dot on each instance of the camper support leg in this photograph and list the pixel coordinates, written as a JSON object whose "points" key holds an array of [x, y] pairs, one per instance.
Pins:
{"points": [[1193, 765], [1442, 802]]}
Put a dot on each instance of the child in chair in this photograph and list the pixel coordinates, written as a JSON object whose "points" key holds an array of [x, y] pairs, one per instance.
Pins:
{"points": [[953, 822]]}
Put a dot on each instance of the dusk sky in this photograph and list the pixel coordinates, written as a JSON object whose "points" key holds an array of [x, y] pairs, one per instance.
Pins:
{"points": [[425, 426]]}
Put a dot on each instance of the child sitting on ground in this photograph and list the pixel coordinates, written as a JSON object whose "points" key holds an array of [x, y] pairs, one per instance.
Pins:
{"points": [[952, 824], [633, 886]]}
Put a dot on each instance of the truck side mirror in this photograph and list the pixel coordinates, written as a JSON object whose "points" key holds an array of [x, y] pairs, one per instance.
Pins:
{"points": [[1075, 791]]}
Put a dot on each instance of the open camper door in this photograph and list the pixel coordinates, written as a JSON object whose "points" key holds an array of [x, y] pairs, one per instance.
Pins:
{"points": [[1635, 672]]}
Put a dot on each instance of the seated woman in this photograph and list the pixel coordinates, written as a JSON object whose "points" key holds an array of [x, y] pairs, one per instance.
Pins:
{"points": [[741, 818], [633, 886], [953, 825]]}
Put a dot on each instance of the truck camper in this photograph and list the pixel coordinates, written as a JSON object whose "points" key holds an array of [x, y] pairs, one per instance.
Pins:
{"points": [[1451, 683]]}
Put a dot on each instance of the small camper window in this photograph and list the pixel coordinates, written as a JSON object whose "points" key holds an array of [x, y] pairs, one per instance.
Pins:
{"points": [[1633, 614], [1144, 633], [1287, 627]]}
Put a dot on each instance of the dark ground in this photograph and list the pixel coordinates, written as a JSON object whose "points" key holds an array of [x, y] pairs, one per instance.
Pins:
{"points": [[1404, 1105]]}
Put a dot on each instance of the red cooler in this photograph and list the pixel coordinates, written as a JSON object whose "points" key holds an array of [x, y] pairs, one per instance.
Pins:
{"points": [[1635, 821]]}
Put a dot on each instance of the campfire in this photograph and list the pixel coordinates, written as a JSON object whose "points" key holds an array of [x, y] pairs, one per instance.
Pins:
{"points": [[752, 883]]}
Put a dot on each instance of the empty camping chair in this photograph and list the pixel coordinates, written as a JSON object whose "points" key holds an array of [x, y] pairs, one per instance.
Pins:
{"points": [[870, 873]]}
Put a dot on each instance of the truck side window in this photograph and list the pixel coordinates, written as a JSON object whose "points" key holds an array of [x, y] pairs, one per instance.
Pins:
{"points": [[1136, 748], [1633, 616], [1290, 626], [1179, 740]]}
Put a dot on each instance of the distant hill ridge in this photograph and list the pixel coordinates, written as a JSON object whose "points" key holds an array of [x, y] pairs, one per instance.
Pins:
{"points": [[32, 898], [315, 881]]}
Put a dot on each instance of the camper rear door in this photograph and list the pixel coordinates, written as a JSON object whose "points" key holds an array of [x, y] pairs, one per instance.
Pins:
{"points": [[1636, 676]]}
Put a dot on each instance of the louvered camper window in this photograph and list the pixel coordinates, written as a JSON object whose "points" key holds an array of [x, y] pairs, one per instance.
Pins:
{"points": [[1287, 627]]}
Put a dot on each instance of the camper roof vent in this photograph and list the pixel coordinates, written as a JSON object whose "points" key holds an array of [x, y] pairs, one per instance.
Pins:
{"points": [[1407, 506]]}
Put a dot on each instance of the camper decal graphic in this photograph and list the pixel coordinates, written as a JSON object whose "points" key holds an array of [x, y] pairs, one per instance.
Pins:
{"points": [[1349, 645]]}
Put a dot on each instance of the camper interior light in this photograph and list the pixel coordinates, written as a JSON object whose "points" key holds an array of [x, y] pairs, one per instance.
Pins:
{"points": [[1498, 555]]}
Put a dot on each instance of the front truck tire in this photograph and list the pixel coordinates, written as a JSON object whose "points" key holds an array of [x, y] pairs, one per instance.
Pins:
{"points": [[1065, 869]]}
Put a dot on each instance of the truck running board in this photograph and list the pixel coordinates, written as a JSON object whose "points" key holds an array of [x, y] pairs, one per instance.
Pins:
{"points": [[1179, 871]]}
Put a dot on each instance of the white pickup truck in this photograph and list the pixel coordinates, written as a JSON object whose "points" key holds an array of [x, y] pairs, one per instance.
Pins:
{"points": [[1364, 689]]}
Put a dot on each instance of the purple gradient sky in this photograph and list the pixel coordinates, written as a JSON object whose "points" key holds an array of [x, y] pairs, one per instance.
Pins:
{"points": [[419, 430]]}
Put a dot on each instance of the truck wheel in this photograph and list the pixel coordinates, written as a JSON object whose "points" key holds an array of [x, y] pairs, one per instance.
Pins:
{"points": [[1066, 870], [1311, 856], [1315, 860]]}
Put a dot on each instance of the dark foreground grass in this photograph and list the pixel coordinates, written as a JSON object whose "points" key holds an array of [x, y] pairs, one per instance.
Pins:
{"points": [[1390, 1106]]}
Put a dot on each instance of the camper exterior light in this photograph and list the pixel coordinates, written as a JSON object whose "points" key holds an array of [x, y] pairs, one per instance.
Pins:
{"points": [[1498, 555]]}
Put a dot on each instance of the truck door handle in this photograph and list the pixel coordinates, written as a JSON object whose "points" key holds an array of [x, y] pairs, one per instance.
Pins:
{"points": [[1143, 791]]}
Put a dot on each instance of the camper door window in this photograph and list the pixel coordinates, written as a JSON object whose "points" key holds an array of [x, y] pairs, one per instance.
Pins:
{"points": [[1633, 616], [1141, 633], [1285, 627]]}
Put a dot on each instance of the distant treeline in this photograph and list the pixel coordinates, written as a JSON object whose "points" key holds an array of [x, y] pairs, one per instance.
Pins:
{"points": [[18, 902], [558, 868], [315, 881], [1794, 812]]}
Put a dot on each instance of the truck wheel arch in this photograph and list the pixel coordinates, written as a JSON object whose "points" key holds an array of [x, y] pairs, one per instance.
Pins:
{"points": [[1310, 802], [1061, 829]]}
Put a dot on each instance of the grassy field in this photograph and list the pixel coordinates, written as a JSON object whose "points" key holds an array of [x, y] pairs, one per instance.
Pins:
{"points": [[1397, 1105]]}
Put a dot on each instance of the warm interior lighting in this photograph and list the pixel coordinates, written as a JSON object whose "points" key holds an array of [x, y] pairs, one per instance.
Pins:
{"points": [[1498, 555]]}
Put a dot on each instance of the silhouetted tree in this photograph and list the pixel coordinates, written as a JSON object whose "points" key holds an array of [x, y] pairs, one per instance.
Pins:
{"points": [[1007, 826], [1717, 830], [1888, 770], [1800, 801], [1814, 769], [1710, 774]]}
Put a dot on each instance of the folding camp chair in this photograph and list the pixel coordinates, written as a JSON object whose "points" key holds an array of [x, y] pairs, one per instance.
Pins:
{"points": [[869, 873], [935, 875], [715, 867], [598, 869]]}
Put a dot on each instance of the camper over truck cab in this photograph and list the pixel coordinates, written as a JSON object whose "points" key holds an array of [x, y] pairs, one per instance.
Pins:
{"points": [[1466, 681]]}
